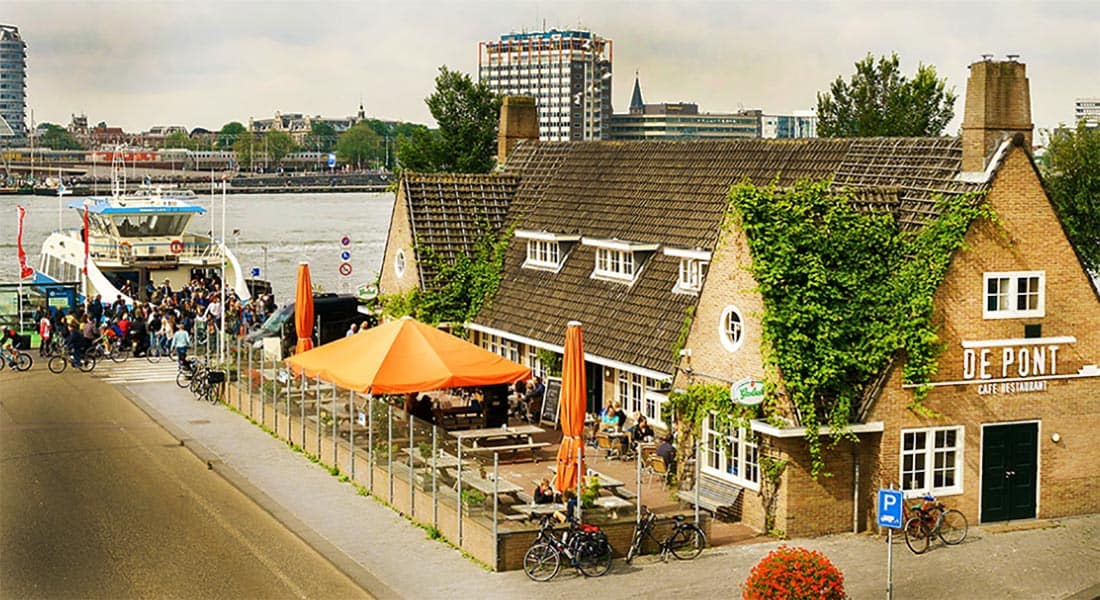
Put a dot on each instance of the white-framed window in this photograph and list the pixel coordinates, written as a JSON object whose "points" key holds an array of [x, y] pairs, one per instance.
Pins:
{"points": [[654, 407], [731, 453], [932, 460], [630, 391], [615, 264], [501, 346], [399, 263], [544, 254], [731, 328], [1014, 295], [532, 361], [692, 273]]}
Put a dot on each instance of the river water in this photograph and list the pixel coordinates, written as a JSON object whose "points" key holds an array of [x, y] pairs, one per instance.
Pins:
{"points": [[283, 229]]}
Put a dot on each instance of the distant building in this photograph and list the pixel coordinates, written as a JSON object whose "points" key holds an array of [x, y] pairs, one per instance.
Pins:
{"points": [[1087, 110], [300, 125], [680, 121], [567, 72], [13, 84], [799, 124]]}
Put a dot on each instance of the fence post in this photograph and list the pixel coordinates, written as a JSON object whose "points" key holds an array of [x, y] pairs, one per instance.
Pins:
{"points": [[580, 477], [435, 483], [263, 394], [389, 449], [638, 500], [458, 490], [370, 442], [698, 459], [335, 434], [239, 378], [250, 383], [412, 475], [496, 501], [351, 433], [302, 407], [318, 424]]}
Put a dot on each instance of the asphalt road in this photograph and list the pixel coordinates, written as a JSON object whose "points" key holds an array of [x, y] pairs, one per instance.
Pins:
{"points": [[98, 501]]}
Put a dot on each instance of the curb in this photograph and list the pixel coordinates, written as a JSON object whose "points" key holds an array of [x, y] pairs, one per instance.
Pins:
{"points": [[344, 563]]}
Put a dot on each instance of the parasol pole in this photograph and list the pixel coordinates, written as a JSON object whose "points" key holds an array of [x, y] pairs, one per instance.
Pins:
{"points": [[221, 338]]}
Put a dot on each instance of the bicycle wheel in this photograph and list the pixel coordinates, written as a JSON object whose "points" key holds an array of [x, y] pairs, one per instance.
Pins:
{"points": [[154, 353], [687, 543], [916, 535], [58, 363], [952, 527], [119, 355], [87, 363], [594, 560], [541, 562], [215, 392], [23, 362], [635, 546], [183, 379]]}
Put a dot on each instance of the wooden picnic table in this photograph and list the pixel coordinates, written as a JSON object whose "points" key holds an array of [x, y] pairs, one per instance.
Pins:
{"points": [[606, 482], [443, 461], [539, 509], [512, 435], [485, 485]]}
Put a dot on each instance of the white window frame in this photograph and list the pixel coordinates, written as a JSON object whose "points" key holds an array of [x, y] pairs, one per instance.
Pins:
{"points": [[653, 407], [692, 273], [737, 462], [614, 264], [501, 346], [925, 461], [724, 332], [1012, 295], [399, 263], [630, 392], [543, 254]]}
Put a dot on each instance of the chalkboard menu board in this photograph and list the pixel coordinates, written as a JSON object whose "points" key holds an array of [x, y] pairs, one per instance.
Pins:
{"points": [[550, 400]]}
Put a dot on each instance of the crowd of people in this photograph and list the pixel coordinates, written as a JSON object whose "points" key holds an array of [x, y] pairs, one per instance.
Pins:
{"points": [[169, 322]]}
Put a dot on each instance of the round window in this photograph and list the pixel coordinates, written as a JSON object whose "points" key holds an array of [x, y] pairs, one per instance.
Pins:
{"points": [[399, 264], [731, 328]]}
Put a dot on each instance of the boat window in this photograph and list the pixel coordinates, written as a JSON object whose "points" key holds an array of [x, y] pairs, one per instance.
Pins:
{"points": [[100, 224], [162, 225]]}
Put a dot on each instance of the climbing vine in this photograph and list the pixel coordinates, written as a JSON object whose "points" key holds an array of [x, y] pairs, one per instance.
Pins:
{"points": [[843, 290]]}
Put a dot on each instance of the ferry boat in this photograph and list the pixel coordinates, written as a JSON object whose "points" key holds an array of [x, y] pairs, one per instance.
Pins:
{"points": [[140, 237]]}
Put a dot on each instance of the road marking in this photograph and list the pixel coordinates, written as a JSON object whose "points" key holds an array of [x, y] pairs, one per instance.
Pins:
{"points": [[136, 370]]}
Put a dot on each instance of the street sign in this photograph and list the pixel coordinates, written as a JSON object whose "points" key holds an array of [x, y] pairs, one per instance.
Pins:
{"points": [[345, 240], [331, 160], [891, 506], [345, 255], [255, 271], [345, 269], [749, 392]]}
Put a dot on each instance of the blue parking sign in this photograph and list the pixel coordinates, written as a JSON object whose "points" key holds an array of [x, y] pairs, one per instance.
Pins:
{"points": [[891, 508]]}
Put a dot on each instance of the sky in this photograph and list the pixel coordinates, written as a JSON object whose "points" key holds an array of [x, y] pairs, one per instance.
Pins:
{"points": [[203, 63]]}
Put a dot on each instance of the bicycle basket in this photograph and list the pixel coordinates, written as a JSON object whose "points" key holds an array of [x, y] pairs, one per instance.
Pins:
{"points": [[215, 377]]}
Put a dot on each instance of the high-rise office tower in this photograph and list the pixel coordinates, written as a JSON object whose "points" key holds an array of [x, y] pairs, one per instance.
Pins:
{"points": [[568, 72], [1087, 110], [13, 74]]}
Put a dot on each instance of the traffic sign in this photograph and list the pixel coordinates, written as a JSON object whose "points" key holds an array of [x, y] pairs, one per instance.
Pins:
{"points": [[345, 269], [331, 160], [345, 255], [255, 271], [891, 505], [345, 240]]}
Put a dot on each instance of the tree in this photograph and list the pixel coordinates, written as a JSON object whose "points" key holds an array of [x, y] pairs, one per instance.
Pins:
{"points": [[277, 144], [465, 142], [57, 138], [247, 148], [880, 101], [228, 134], [322, 137], [358, 145], [1073, 178], [179, 139]]}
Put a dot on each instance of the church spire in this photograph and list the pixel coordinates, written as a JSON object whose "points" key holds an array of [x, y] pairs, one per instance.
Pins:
{"points": [[636, 104]]}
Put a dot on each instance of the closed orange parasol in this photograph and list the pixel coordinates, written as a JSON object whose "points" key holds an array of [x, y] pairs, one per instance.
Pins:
{"points": [[303, 309], [405, 356], [572, 407]]}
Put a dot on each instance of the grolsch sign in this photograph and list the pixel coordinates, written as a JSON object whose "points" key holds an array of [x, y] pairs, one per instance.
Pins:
{"points": [[748, 391]]}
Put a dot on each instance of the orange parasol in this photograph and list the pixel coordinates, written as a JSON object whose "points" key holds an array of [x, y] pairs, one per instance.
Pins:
{"points": [[571, 407], [405, 356], [303, 309]]}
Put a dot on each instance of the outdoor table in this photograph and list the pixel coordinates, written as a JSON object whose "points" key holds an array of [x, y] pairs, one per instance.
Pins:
{"points": [[521, 434], [443, 461], [606, 482], [485, 485], [539, 509], [613, 504]]}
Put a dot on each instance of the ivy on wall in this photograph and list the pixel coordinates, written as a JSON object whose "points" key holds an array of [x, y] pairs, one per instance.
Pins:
{"points": [[843, 291]]}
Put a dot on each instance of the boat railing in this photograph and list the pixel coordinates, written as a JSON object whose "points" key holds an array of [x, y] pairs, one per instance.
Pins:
{"points": [[129, 252]]}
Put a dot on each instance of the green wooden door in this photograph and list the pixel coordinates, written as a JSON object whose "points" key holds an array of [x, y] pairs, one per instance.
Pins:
{"points": [[1009, 471]]}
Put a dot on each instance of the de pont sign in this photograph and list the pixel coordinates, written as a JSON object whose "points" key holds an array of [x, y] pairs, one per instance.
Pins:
{"points": [[748, 391]]}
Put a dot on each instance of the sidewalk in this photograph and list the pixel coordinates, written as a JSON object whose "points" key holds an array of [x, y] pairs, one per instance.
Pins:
{"points": [[390, 557]]}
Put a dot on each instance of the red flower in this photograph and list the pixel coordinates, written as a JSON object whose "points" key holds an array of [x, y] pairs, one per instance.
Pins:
{"points": [[794, 573]]}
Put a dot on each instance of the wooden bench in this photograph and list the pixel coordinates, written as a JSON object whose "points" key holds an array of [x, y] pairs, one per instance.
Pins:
{"points": [[534, 447], [716, 495]]}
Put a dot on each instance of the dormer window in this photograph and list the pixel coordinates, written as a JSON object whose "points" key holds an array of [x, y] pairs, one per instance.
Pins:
{"points": [[1011, 295], [693, 269], [546, 250], [618, 260]]}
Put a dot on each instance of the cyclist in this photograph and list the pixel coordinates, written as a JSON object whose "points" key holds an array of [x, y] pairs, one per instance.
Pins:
{"points": [[8, 342], [77, 342]]}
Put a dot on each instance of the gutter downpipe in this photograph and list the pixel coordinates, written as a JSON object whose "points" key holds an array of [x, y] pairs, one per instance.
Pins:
{"points": [[855, 490]]}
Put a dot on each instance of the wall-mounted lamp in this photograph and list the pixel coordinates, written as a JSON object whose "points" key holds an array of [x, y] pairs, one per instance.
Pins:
{"points": [[607, 373], [1055, 437]]}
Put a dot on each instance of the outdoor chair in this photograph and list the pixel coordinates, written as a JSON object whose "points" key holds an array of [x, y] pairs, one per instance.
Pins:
{"points": [[606, 445], [656, 466]]}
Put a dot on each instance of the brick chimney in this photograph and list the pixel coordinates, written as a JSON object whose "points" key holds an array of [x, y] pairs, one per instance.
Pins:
{"points": [[998, 106], [519, 120]]}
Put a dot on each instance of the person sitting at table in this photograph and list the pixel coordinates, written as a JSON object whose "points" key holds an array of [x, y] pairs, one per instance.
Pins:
{"points": [[616, 418], [569, 497], [642, 431], [516, 404], [410, 403], [667, 452], [533, 399], [423, 409], [544, 494]]}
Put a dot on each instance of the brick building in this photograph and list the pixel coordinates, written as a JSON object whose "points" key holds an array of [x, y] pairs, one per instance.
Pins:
{"points": [[631, 239]]}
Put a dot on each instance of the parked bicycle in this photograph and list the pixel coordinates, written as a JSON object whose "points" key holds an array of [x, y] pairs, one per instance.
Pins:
{"points": [[583, 545], [931, 518], [15, 360], [686, 541], [60, 362]]}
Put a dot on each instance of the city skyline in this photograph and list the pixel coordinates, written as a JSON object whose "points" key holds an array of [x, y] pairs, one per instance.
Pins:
{"points": [[202, 64]]}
